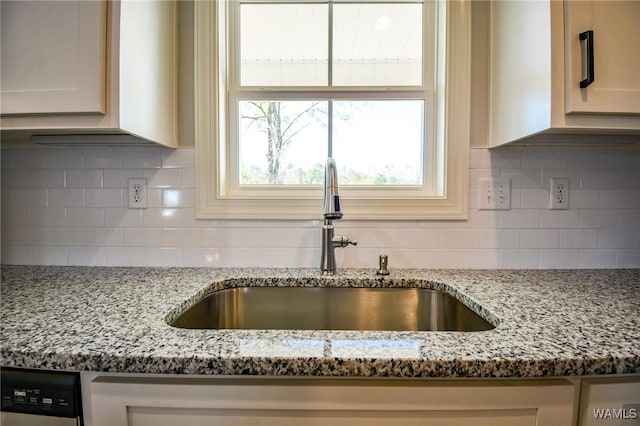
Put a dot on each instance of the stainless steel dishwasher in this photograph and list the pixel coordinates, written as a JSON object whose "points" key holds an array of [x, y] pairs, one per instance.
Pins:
{"points": [[40, 397]]}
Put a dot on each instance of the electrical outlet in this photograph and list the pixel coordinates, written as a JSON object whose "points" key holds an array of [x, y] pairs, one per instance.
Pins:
{"points": [[137, 193], [559, 194], [494, 194]]}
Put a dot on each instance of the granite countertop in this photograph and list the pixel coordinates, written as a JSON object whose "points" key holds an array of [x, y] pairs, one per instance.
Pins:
{"points": [[549, 323]]}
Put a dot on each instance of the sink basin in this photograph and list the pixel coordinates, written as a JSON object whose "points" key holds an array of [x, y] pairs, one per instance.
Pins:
{"points": [[330, 308]]}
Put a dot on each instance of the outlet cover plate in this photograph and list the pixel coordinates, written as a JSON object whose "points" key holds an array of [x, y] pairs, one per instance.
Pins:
{"points": [[137, 193], [558, 193]]}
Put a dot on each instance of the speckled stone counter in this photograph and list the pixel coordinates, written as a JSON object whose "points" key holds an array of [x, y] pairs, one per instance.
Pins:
{"points": [[549, 323]]}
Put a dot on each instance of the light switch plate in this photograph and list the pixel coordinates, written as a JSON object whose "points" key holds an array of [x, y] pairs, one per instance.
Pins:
{"points": [[494, 194]]}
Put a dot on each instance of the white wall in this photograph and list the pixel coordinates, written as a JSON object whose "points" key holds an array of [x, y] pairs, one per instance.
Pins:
{"points": [[68, 207]]}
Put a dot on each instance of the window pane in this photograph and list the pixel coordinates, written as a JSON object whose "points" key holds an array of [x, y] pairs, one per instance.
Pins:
{"points": [[282, 142], [379, 142], [377, 44], [284, 44]]}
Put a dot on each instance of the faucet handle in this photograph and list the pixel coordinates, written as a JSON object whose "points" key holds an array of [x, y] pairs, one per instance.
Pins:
{"points": [[343, 241]]}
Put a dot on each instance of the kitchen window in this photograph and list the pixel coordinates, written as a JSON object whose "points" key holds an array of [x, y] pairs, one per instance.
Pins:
{"points": [[381, 86]]}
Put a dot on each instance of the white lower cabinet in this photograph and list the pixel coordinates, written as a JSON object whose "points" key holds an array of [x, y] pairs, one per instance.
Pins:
{"points": [[172, 400], [608, 402]]}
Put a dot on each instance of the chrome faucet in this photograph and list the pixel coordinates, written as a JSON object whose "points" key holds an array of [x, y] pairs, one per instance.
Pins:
{"points": [[332, 211]]}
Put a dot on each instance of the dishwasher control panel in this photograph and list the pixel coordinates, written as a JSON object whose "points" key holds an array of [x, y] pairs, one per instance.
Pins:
{"points": [[49, 393]]}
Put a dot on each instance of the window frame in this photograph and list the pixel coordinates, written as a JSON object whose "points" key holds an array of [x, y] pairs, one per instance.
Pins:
{"points": [[219, 198]]}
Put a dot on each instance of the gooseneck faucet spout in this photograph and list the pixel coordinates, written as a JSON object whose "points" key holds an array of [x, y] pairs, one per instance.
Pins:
{"points": [[332, 206], [332, 211]]}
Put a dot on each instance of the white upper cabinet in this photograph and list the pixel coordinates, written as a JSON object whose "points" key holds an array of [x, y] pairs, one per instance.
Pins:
{"points": [[76, 72], [60, 66], [537, 63], [609, 69]]}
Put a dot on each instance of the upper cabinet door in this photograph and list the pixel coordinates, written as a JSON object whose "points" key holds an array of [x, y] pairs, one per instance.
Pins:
{"points": [[53, 56], [614, 28]]}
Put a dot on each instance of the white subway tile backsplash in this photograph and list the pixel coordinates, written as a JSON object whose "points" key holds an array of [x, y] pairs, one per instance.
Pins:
{"points": [[202, 257], [123, 256], [122, 217], [559, 219], [25, 236], [143, 237], [578, 238], [538, 159], [509, 158], [102, 158], [17, 255], [59, 158], [160, 256], [628, 218], [522, 218], [481, 219], [85, 217], [523, 178], [480, 259], [15, 178], [67, 236], [242, 257], [520, 258], [118, 178], [383, 237], [50, 255], [598, 219], [179, 237], [629, 179], [599, 179], [628, 258], [83, 178], [616, 238], [104, 237], [417, 238], [596, 258], [534, 198], [559, 259], [290, 258], [178, 197], [19, 197], [19, 216], [108, 197], [300, 237], [188, 177], [221, 238], [539, 238], [69, 206], [161, 217], [89, 256], [500, 238], [617, 199], [178, 158], [439, 258], [458, 238], [47, 178], [163, 178], [26, 159], [65, 198], [260, 237], [579, 199], [142, 158]]}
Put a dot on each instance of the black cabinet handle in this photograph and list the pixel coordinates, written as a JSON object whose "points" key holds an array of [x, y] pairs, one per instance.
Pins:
{"points": [[587, 36]]}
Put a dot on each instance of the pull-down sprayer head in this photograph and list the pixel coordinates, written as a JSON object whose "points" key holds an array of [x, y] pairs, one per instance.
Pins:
{"points": [[332, 207]]}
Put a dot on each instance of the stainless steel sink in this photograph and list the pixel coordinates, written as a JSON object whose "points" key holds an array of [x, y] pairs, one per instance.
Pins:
{"points": [[328, 308]]}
